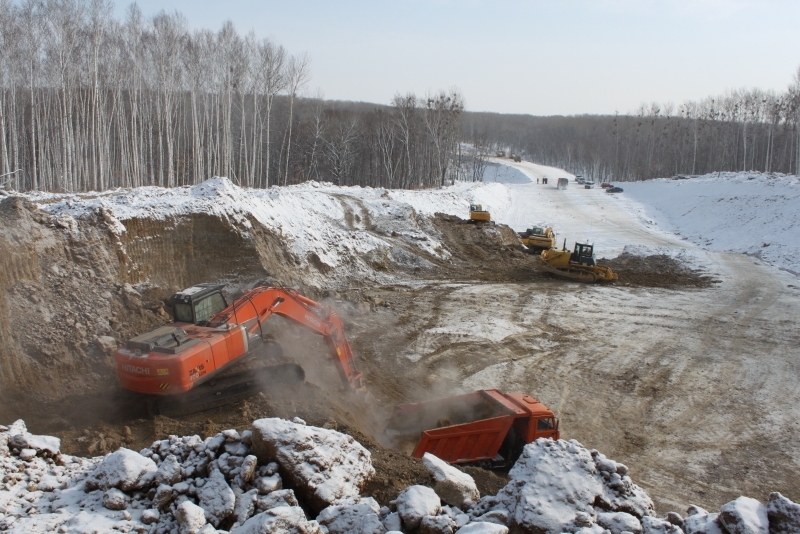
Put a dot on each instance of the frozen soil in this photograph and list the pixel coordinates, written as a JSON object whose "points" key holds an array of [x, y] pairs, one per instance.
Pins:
{"points": [[678, 372]]}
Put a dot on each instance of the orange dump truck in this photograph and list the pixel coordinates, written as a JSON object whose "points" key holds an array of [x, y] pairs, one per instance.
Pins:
{"points": [[485, 427]]}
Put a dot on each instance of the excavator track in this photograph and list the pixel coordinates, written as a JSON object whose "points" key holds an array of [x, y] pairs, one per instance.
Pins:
{"points": [[225, 390]]}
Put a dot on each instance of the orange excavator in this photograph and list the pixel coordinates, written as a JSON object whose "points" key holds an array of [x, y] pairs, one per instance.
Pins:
{"points": [[208, 338]]}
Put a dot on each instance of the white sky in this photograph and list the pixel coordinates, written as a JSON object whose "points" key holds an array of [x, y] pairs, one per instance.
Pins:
{"points": [[538, 57]]}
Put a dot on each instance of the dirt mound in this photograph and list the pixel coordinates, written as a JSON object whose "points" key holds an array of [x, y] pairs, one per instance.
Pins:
{"points": [[656, 271]]}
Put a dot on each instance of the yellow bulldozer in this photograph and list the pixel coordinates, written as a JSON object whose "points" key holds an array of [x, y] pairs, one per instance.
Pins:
{"points": [[478, 215], [577, 265]]}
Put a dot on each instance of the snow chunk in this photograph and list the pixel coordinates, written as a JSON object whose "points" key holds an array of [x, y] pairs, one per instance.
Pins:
{"points": [[619, 522], [452, 486], [744, 516], [439, 524], [323, 465], [357, 515], [268, 484], [554, 480], [276, 499], [216, 498], [190, 517], [482, 527], [150, 516], [169, 472], [114, 499], [651, 525], [416, 502], [123, 469], [701, 522], [784, 515], [19, 437], [281, 520]]}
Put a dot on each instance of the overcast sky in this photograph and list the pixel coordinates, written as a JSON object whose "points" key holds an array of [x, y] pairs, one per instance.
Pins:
{"points": [[538, 57]]}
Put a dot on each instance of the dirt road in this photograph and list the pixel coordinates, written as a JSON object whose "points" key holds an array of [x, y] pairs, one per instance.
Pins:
{"points": [[695, 389]]}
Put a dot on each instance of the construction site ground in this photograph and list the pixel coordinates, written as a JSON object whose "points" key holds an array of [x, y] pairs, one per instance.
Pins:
{"points": [[684, 372]]}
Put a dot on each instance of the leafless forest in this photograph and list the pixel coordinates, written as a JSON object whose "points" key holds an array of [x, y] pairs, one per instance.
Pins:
{"points": [[740, 130], [90, 103]]}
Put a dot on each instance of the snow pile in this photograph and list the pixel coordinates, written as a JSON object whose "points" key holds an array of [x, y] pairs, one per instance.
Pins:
{"points": [[346, 228], [754, 213], [190, 485], [327, 464], [556, 486]]}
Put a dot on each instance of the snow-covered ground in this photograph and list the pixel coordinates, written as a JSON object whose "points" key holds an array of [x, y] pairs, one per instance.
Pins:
{"points": [[754, 213]]}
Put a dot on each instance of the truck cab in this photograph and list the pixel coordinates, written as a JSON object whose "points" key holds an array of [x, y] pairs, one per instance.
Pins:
{"points": [[197, 304]]}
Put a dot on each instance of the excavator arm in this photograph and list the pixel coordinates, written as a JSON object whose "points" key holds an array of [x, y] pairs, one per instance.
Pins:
{"points": [[256, 306]]}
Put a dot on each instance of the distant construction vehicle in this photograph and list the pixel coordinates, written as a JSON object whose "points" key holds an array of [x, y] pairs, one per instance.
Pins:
{"points": [[562, 183], [578, 265], [485, 427], [538, 238], [478, 215]]}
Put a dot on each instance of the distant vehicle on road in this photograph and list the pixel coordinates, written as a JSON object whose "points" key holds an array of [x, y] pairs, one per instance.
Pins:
{"points": [[562, 183], [606, 185], [581, 180], [588, 185], [614, 190]]}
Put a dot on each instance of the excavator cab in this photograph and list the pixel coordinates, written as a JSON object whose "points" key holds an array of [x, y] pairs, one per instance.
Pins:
{"points": [[583, 254], [197, 304]]}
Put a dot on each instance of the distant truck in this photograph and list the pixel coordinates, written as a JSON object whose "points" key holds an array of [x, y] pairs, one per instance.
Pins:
{"points": [[562, 183], [486, 427]]}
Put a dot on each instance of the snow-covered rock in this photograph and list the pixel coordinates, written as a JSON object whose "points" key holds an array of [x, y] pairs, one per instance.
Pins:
{"points": [[123, 469], [452, 486], [652, 525], [323, 465], [191, 517], [744, 516], [415, 503], [169, 471], [353, 515], [150, 516], [554, 480], [482, 527], [783, 514], [392, 522], [276, 499], [216, 498], [281, 520], [245, 505], [19, 437], [114, 499], [699, 521], [619, 522], [437, 524], [268, 484]]}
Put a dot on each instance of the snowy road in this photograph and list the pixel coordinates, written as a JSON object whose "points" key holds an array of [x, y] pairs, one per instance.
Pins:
{"points": [[578, 214], [696, 389]]}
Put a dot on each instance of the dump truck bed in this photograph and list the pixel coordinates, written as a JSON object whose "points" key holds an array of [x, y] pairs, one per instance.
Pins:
{"points": [[472, 427]]}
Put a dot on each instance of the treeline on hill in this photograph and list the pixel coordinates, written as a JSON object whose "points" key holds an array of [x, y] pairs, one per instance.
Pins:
{"points": [[88, 102], [738, 131]]}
